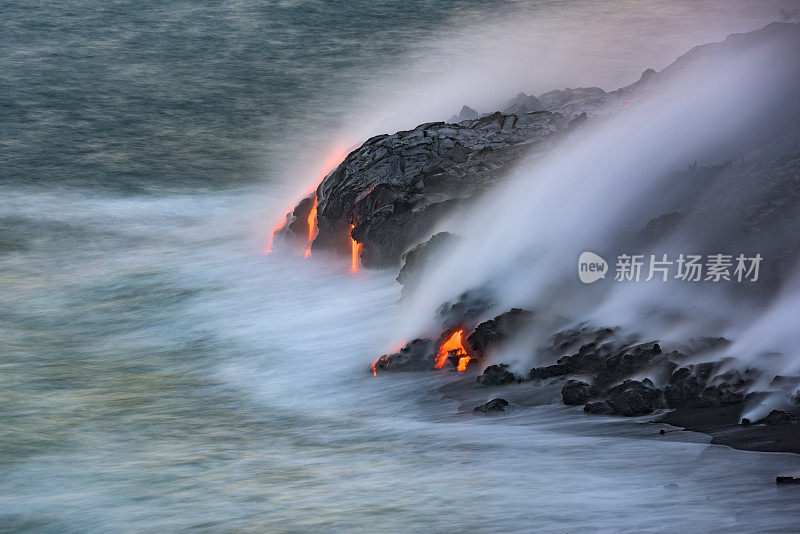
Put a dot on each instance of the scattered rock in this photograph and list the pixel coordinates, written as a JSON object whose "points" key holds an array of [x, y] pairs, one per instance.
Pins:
{"points": [[632, 398], [576, 392], [419, 355], [607, 362], [786, 481], [542, 373], [497, 375], [497, 330], [463, 312], [780, 418], [493, 406]]}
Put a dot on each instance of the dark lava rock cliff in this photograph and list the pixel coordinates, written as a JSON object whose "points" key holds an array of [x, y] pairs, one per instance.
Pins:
{"points": [[393, 188]]}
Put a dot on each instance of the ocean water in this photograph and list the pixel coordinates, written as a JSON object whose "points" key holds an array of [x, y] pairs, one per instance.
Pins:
{"points": [[158, 372]]}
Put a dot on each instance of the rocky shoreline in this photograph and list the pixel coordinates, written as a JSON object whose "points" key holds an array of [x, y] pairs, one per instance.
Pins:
{"points": [[387, 196]]}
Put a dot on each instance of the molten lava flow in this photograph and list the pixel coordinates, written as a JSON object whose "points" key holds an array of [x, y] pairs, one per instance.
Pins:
{"points": [[312, 221], [272, 237], [331, 162], [356, 251], [453, 344], [312, 227]]}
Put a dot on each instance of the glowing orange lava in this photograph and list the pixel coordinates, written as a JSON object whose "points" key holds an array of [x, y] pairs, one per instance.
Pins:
{"points": [[356, 251], [312, 227], [335, 157], [312, 221], [375, 364], [272, 237], [453, 344]]}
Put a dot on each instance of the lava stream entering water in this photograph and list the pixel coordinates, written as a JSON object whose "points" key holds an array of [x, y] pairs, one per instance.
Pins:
{"points": [[454, 343], [355, 252], [312, 227], [272, 236]]}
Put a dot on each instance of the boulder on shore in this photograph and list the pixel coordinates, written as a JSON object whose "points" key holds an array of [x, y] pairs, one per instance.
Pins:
{"points": [[418, 355], [497, 375], [493, 406], [394, 188], [577, 392]]}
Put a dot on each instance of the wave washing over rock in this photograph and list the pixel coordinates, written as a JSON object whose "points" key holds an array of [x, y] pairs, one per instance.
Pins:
{"points": [[393, 193]]}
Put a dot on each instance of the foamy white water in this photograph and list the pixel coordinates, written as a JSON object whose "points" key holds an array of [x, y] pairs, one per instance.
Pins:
{"points": [[158, 372], [204, 385]]}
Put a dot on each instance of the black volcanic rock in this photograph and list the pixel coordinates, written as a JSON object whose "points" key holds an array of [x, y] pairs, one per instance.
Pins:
{"points": [[542, 373], [464, 311], [564, 341], [632, 398], [419, 355], [497, 375], [497, 330], [779, 418], [576, 392], [607, 362], [395, 187], [696, 386], [493, 406]]}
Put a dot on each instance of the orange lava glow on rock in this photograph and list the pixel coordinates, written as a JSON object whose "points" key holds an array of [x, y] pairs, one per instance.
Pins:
{"points": [[355, 252], [272, 237], [312, 221], [375, 363], [335, 157], [453, 344], [312, 227]]}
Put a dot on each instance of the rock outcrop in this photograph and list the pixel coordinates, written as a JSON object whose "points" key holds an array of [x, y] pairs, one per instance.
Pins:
{"points": [[498, 375], [496, 331], [393, 188], [419, 355], [493, 406]]}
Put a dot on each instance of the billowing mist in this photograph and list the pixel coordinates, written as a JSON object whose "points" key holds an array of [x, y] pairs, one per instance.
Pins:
{"points": [[681, 149]]}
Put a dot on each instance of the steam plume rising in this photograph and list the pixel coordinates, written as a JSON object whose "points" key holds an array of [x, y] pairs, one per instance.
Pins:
{"points": [[604, 183]]}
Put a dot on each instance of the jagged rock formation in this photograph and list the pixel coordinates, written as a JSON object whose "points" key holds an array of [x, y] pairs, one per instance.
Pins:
{"points": [[497, 375], [394, 188], [389, 193], [496, 331], [493, 406]]}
